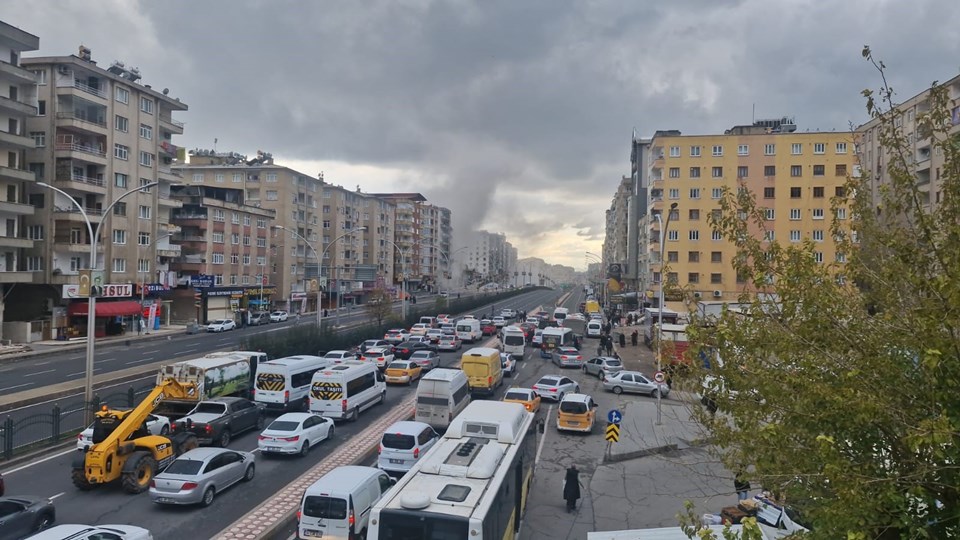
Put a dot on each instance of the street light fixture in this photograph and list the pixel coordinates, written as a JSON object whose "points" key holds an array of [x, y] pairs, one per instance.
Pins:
{"points": [[320, 267], [663, 244], [92, 300], [309, 245]]}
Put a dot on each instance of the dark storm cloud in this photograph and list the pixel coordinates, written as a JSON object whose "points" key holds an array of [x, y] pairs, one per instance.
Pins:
{"points": [[480, 102]]}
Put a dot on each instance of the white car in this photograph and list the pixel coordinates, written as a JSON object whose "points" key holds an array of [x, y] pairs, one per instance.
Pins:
{"points": [[156, 425], [221, 325], [340, 356], [402, 445], [295, 433], [508, 365], [556, 386], [499, 321], [380, 355], [396, 335], [279, 316], [93, 532], [419, 329]]}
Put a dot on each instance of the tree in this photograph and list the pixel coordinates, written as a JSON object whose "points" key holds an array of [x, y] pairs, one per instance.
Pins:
{"points": [[380, 306], [838, 387]]}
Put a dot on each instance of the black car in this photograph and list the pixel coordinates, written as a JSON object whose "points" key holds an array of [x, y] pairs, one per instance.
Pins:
{"points": [[24, 515], [406, 349]]}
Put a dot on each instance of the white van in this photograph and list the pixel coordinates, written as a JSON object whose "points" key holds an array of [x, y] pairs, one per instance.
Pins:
{"points": [[284, 383], [345, 390], [560, 313], [514, 341], [594, 328], [441, 395], [468, 330], [337, 506]]}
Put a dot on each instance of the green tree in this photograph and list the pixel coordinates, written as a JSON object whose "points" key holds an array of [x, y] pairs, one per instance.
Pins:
{"points": [[380, 306], [837, 388]]}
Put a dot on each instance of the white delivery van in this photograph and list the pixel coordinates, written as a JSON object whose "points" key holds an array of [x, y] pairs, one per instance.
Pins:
{"points": [[441, 395], [560, 313], [468, 330], [337, 506], [594, 328], [284, 383], [345, 390], [514, 341]]}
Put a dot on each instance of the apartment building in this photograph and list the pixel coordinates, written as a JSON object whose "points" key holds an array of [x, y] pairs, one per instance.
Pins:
{"points": [[99, 134], [928, 161], [16, 105], [792, 175], [489, 257], [424, 235], [616, 248]]}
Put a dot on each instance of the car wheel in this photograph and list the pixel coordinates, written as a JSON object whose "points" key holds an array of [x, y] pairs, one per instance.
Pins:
{"points": [[165, 430], [208, 496], [224, 439], [655, 393], [383, 397], [43, 522], [305, 449], [576, 389], [584, 369], [250, 473], [560, 398], [355, 414], [260, 422], [330, 432], [617, 390]]}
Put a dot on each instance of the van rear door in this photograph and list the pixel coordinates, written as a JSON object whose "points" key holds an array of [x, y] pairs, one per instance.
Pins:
{"points": [[324, 516], [477, 371]]}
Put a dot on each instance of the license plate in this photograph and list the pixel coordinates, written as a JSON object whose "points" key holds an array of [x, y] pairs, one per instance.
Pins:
{"points": [[272, 449], [165, 500], [396, 461], [573, 423], [313, 534]]}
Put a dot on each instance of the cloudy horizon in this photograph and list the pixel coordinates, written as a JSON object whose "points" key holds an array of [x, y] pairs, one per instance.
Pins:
{"points": [[515, 115]]}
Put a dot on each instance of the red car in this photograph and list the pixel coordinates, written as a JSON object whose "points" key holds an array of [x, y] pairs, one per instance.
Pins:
{"points": [[488, 329]]}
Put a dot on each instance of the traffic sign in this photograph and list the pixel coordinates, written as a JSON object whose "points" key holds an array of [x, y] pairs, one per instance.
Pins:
{"points": [[659, 377], [613, 433], [614, 416]]}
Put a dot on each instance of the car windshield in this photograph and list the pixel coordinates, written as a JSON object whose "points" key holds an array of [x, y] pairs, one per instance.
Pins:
{"points": [[283, 425], [398, 441], [333, 354], [325, 507], [518, 396], [547, 381], [613, 362], [399, 365], [371, 342], [184, 466], [568, 351], [211, 408], [573, 407], [421, 354]]}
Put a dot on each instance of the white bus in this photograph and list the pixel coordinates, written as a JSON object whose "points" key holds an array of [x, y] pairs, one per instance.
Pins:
{"points": [[513, 341], [555, 337], [284, 383], [473, 484]]}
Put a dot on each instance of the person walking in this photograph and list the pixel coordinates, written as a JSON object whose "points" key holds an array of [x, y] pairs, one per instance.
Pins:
{"points": [[742, 487], [633, 338], [571, 488], [623, 340], [140, 325], [609, 345]]}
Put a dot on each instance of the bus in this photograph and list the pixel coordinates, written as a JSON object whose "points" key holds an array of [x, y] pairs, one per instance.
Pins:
{"points": [[473, 484], [554, 337]]}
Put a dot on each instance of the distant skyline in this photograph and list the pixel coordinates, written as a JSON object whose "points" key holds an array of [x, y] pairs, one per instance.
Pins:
{"points": [[515, 115]]}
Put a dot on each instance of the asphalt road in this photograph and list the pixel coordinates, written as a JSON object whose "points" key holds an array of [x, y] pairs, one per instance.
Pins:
{"points": [[50, 476]]}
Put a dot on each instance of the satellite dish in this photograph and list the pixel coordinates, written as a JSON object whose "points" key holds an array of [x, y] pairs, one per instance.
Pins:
{"points": [[166, 91]]}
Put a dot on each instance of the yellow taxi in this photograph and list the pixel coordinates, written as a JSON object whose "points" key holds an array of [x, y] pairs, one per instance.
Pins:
{"points": [[402, 372], [577, 412], [527, 397]]}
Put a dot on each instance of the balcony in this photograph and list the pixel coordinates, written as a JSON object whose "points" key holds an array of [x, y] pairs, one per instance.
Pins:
{"points": [[81, 151], [16, 108], [20, 209], [169, 251], [165, 174], [171, 125], [71, 86], [17, 277], [194, 221], [16, 174], [81, 183], [15, 242], [82, 122], [165, 148], [19, 142], [188, 267], [17, 74], [168, 201], [72, 213], [79, 247]]}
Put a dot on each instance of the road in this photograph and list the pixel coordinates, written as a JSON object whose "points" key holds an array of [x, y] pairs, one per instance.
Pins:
{"points": [[50, 476]]}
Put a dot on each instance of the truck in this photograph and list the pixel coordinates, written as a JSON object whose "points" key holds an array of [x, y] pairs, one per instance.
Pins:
{"points": [[124, 450], [215, 375], [216, 421], [591, 307]]}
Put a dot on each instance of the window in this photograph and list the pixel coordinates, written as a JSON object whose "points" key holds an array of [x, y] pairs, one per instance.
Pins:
{"points": [[840, 191], [796, 149], [717, 150], [261, 241], [41, 76], [121, 152], [145, 212], [673, 256], [237, 178], [716, 278], [841, 213], [693, 215], [261, 223], [121, 123], [674, 194], [119, 236], [794, 236], [233, 281], [796, 171], [819, 170], [841, 148], [743, 150], [35, 232], [218, 258], [146, 132], [693, 277], [694, 172], [119, 265], [769, 214], [818, 192], [261, 260], [818, 213], [841, 257], [794, 214], [694, 234], [146, 159], [218, 214], [742, 171], [120, 180], [246, 258], [121, 94], [717, 172], [716, 193], [34, 264], [143, 239], [769, 170], [716, 256], [673, 236], [76, 264], [235, 218], [794, 193], [217, 237], [271, 177], [716, 235], [819, 148], [674, 172], [39, 138], [674, 151], [41, 108], [818, 235], [769, 149], [671, 277], [694, 193], [197, 178], [219, 178], [143, 265], [841, 170], [818, 256], [235, 239], [246, 240], [246, 220], [146, 104], [694, 151], [272, 195], [768, 192], [120, 209], [38, 169], [693, 256]]}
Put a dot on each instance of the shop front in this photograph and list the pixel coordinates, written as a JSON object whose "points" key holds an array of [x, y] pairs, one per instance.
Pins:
{"points": [[116, 311], [259, 298], [221, 303]]}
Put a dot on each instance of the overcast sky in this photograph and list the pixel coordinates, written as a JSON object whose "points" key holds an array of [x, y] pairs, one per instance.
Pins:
{"points": [[515, 114]]}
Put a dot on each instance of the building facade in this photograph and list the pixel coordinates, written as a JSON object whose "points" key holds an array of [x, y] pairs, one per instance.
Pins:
{"points": [[792, 175], [424, 236], [489, 257], [616, 247]]}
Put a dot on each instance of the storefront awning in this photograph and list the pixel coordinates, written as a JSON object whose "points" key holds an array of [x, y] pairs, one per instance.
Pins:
{"points": [[107, 309]]}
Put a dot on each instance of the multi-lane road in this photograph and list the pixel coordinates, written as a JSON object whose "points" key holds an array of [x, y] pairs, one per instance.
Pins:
{"points": [[50, 476]]}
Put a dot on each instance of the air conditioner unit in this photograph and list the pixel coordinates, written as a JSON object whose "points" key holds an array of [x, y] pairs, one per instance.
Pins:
{"points": [[696, 294], [717, 294]]}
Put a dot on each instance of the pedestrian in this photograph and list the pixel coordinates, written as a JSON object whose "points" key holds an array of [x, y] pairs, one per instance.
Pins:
{"points": [[633, 338], [324, 313], [742, 486], [571, 488], [623, 340], [609, 346], [140, 325], [600, 348]]}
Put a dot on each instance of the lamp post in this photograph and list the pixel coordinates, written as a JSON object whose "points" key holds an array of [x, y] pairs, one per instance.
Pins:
{"points": [[309, 245], [320, 269], [663, 244], [92, 300], [603, 282], [403, 280]]}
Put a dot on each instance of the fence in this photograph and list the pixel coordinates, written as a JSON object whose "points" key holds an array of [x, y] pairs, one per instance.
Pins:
{"points": [[48, 429]]}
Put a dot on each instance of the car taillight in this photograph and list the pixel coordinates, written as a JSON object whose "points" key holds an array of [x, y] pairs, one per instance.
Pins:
{"points": [[208, 428], [379, 449], [299, 515], [352, 519], [261, 438], [405, 373], [153, 483], [286, 396], [295, 438], [188, 485], [79, 436], [343, 405], [490, 381], [416, 453]]}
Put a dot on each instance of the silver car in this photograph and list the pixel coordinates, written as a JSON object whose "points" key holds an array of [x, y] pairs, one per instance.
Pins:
{"points": [[198, 475], [602, 366], [636, 382], [427, 360]]}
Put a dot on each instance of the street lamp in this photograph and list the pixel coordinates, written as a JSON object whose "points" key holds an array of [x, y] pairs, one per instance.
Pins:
{"points": [[403, 280], [92, 300], [320, 268], [309, 245], [663, 244]]}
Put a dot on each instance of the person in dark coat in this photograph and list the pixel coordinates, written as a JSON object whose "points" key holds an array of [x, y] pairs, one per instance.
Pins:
{"points": [[571, 487], [623, 340], [633, 338], [742, 486]]}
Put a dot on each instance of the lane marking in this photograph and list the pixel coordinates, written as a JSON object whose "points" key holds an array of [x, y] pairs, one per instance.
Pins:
{"points": [[57, 495], [39, 373], [151, 351], [39, 461], [17, 386], [62, 398], [546, 423], [42, 363]]}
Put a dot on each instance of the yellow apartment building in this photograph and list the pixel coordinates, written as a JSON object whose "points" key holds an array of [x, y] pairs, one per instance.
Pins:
{"points": [[792, 175]]}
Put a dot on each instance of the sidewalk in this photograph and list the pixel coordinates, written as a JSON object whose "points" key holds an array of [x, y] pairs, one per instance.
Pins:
{"points": [[52, 346]]}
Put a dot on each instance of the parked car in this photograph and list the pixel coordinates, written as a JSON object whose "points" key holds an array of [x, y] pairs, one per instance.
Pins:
{"points": [[396, 335], [279, 316], [427, 360], [449, 343], [556, 386], [94, 532], [199, 475], [636, 382], [402, 372], [567, 357], [156, 425], [402, 445], [339, 356], [216, 421], [379, 355], [378, 343], [507, 364], [24, 515], [221, 325], [261, 317], [294, 433], [406, 349], [602, 366], [527, 397]]}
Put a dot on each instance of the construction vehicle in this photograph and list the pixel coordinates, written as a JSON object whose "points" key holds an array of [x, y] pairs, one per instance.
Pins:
{"points": [[124, 450]]}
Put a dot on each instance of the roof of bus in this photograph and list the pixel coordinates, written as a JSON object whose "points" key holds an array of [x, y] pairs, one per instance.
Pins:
{"points": [[293, 361], [558, 330]]}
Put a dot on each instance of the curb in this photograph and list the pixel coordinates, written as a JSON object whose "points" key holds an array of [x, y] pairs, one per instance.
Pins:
{"points": [[644, 452]]}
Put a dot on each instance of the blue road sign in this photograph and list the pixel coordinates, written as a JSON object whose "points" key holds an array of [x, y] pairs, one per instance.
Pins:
{"points": [[614, 416]]}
